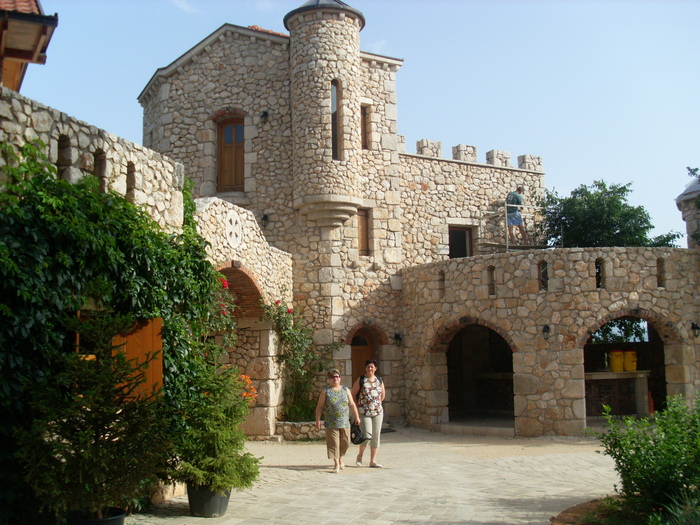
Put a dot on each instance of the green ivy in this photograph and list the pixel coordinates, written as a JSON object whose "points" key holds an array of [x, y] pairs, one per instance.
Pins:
{"points": [[301, 359], [63, 245]]}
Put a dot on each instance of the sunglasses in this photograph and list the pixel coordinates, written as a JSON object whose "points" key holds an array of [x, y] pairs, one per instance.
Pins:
{"points": [[334, 377]]}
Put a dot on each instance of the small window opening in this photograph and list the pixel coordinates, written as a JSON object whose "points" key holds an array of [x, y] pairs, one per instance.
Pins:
{"points": [[660, 273], [363, 231], [461, 240], [99, 168], [599, 273], [543, 272], [130, 181], [63, 162], [491, 279], [335, 120], [365, 126]]}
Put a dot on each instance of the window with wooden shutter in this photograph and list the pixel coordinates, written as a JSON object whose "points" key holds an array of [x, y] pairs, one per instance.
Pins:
{"points": [[363, 231], [230, 155]]}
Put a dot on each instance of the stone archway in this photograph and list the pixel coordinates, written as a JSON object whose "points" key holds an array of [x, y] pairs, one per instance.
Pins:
{"points": [[662, 367], [255, 351], [468, 357], [479, 375]]}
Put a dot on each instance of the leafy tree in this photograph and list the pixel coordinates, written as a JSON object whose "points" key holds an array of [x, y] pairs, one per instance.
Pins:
{"points": [[599, 215]]}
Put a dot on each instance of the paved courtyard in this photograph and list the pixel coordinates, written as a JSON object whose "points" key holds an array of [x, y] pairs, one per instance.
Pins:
{"points": [[427, 478]]}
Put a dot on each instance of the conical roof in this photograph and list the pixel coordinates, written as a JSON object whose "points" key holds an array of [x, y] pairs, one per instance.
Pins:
{"points": [[692, 191], [325, 4]]}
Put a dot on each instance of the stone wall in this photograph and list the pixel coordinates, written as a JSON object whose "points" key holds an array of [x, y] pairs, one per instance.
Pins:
{"points": [[659, 285], [142, 176]]}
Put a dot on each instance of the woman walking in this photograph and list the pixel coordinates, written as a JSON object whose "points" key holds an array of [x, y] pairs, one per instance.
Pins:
{"points": [[371, 392], [335, 403]]}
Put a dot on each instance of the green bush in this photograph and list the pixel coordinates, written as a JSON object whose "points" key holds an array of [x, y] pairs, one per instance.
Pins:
{"points": [[61, 246], [658, 459]]}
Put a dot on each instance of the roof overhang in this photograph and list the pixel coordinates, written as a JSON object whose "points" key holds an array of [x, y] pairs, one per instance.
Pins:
{"points": [[24, 39]]}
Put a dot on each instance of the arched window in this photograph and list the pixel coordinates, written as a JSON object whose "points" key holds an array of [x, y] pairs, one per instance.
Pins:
{"points": [[230, 155], [336, 136], [543, 275], [599, 273]]}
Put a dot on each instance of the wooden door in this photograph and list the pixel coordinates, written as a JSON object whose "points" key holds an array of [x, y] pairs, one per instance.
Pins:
{"points": [[362, 349]]}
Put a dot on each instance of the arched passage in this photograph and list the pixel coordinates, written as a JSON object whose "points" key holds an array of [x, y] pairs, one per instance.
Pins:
{"points": [[637, 384], [479, 374]]}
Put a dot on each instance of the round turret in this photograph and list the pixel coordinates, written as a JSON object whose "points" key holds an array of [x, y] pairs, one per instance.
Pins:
{"points": [[687, 203], [325, 86]]}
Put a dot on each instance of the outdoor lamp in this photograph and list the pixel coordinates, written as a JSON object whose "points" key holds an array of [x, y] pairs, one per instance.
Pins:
{"points": [[546, 331], [695, 327], [398, 339], [264, 219], [263, 116]]}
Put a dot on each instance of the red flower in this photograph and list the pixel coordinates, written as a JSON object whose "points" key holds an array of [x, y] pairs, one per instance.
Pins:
{"points": [[278, 301], [289, 310], [224, 282], [342, 339]]}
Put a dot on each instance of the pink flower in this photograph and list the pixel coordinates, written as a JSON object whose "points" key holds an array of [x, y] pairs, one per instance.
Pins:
{"points": [[224, 282], [289, 310]]}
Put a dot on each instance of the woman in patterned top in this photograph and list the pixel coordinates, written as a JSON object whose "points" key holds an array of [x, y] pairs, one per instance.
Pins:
{"points": [[335, 403], [371, 394]]}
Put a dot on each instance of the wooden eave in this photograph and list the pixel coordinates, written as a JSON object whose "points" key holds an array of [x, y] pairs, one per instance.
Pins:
{"points": [[24, 39]]}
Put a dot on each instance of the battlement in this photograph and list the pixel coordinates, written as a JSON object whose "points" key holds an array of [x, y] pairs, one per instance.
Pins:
{"points": [[462, 152]]}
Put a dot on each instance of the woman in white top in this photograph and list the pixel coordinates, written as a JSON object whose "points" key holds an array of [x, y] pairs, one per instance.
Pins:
{"points": [[370, 392]]}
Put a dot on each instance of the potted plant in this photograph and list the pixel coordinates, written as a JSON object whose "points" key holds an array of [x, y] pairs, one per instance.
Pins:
{"points": [[99, 440], [209, 447]]}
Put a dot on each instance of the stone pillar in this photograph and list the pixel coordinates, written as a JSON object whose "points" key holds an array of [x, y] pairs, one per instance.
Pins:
{"points": [[463, 152], [429, 148]]}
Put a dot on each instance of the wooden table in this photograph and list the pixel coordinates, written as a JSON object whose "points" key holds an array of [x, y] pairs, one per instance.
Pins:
{"points": [[641, 386]]}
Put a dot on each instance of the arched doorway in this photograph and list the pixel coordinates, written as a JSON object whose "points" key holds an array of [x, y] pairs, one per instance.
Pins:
{"points": [[479, 375], [363, 347], [639, 387]]}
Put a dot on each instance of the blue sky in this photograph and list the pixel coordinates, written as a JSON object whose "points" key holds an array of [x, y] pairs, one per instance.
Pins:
{"points": [[600, 89]]}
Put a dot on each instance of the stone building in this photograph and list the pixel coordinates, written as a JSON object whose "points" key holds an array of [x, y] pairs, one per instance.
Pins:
{"points": [[306, 193]]}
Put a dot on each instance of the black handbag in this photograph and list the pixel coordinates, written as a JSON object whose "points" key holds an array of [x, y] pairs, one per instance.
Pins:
{"points": [[357, 436]]}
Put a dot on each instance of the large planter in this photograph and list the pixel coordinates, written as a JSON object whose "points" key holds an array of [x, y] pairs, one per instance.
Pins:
{"points": [[206, 503], [115, 517]]}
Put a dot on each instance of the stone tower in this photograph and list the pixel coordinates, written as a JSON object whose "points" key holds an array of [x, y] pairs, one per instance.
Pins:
{"points": [[325, 71]]}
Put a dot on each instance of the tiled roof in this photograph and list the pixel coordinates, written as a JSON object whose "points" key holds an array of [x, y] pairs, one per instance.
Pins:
{"points": [[29, 7], [258, 28]]}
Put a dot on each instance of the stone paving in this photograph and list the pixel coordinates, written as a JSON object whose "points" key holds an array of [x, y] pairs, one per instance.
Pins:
{"points": [[427, 478]]}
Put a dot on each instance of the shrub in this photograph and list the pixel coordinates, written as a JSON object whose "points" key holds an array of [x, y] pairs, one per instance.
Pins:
{"points": [[657, 459]]}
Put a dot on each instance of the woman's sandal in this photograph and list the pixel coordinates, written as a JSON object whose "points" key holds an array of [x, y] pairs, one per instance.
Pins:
{"points": [[358, 461], [375, 465]]}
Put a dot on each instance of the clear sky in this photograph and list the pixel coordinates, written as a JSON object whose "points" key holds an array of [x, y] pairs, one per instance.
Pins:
{"points": [[600, 89]]}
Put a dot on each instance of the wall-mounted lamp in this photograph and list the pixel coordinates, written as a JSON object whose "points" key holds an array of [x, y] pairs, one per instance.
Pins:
{"points": [[546, 331], [264, 219], [695, 327], [263, 117], [398, 339]]}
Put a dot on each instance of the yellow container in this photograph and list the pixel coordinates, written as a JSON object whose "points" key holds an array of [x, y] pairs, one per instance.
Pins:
{"points": [[630, 360], [617, 361]]}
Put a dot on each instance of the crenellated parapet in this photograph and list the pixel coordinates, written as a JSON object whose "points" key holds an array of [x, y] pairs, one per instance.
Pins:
{"points": [[465, 153], [142, 176]]}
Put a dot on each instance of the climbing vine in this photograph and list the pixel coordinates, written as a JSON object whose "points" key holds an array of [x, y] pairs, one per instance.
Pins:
{"points": [[301, 359]]}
